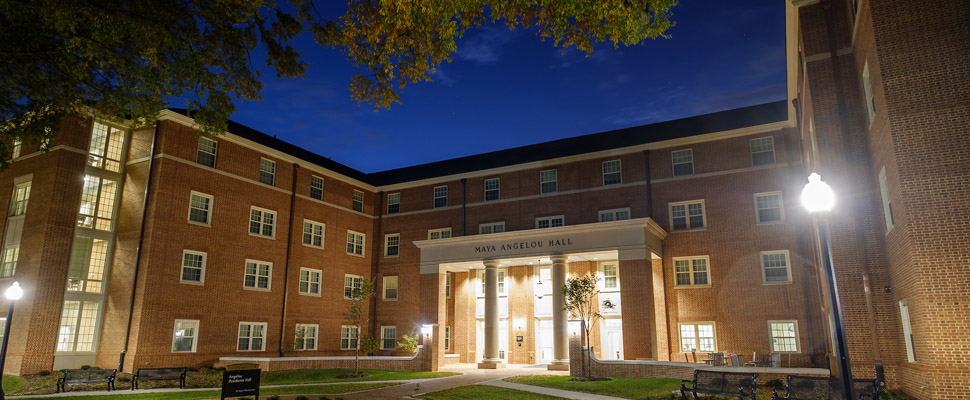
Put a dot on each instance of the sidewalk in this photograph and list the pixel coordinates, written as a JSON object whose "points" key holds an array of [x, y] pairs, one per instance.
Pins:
{"points": [[123, 392], [569, 394]]}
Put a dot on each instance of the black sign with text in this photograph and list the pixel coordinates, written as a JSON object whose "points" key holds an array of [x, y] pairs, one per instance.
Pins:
{"points": [[241, 380]]}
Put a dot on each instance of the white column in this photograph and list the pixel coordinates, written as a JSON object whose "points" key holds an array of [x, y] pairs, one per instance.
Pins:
{"points": [[560, 317], [490, 359]]}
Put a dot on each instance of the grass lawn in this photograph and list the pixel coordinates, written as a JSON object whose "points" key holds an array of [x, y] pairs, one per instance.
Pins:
{"points": [[210, 394], [628, 388], [482, 392], [330, 375], [13, 383]]}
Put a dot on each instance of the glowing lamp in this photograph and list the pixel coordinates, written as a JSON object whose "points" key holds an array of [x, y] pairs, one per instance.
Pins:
{"points": [[817, 196]]}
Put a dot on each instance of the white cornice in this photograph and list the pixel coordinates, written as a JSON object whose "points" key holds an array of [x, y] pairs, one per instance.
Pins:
{"points": [[647, 223]]}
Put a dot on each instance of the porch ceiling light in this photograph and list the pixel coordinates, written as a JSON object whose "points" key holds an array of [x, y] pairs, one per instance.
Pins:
{"points": [[426, 329], [817, 196]]}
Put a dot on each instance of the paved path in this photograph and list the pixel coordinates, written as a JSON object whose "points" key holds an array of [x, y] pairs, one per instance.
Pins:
{"points": [[569, 394], [471, 375]]}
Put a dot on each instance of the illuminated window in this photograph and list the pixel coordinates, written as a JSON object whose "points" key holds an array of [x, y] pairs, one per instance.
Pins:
{"points": [[393, 203], [692, 271], [17, 146], [313, 233], [348, 337], [549, 181], [355, 243], [768, 208], [252, 336], [19, 199], [390, 288], [267, 171], [550, 222], [447, 284], [107, 145], [388, 337], [784, 336], [442, 233], [77, 330], [447, 338], [762, 151], [392, 245], [611, 172], [316, 187], [186, 336], [687, 215], [867, 87], [200, 208], [306, 337], [310, 281], [262, 222], [697, 337], [358, 201], [491, 189], [10, 256], [440, 196], [907, 330], [887, 204], [683, 162], [97, 203], [501, 282], [611, 276], [206, 154], [774, 267]]}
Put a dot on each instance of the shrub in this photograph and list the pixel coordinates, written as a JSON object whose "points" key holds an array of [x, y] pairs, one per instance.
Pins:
{"points": [[44, 373], [123, 379], [301, 398], [85, 367], [221, 369], [191, 369], [775, 384]]}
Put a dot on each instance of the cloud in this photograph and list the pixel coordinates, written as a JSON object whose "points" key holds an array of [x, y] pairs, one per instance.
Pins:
{"points": [[440, 76], [603, 54], [663, 105], [485, 46], [614, 82]]}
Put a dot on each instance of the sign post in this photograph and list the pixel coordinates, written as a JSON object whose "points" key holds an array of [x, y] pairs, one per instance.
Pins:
{"points": [[240, 380]]}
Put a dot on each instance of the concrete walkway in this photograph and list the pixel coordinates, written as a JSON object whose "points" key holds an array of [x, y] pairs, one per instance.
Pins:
{"points": [[569, 394]]}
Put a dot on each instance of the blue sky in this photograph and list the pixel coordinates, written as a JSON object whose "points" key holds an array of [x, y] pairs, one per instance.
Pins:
{"points": [[509, 88]]}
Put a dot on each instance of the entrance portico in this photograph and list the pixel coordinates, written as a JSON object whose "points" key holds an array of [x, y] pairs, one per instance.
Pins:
{"points": [[496, 268]]}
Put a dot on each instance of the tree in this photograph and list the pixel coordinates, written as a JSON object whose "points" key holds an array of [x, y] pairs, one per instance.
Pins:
{"points": [[126, 60], [356, 315], [410, 342], [580, 295]]}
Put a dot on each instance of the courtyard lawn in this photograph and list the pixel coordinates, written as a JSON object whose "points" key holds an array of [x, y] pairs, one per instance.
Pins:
{"points": [[330, 375], [482, 392], [210, 394], [628, 388], [12, 383]]}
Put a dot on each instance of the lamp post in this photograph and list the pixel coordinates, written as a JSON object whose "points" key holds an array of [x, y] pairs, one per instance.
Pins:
{"points": [[13, 293], [818, 199]]}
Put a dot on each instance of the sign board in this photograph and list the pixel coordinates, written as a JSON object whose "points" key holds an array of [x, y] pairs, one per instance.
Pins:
{"points": [[240, 380]]}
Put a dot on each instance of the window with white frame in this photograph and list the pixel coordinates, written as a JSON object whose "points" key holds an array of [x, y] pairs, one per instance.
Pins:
{"points": [[390, 288], [19, 199], [11, 254], [699, 336], [769, 208], [784, 336], [867, 87], [206, 153], [442, 233], [77, 331], [683, 162], [185, 336], [447, 338], [774, 267], [887, 204], [313, 233], [392, 245], [388, 337], [440, 196], [447, 284], [252, 336], [491, 189], [316, 187], [262, 222], [550, 222], [267, 171], [501, 282], [193, 266], [310, 281], [200, 208], [358, 201], [687, 215], [548, 181], [306, 337], [692, 271], [355, 243], [762, 151], [493, 227], [351, 284], [89, 264], [907, 330], [610, 271], [98, 196], [17, 146], [618, 214], [258, 275], [612, 172], [107, 146], [348, 337], [393, 203]]}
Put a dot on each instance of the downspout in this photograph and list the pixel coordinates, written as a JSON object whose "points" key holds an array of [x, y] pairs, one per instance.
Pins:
{"points": [[289, 246], [375, 258], [141, 239], [463, 203]]}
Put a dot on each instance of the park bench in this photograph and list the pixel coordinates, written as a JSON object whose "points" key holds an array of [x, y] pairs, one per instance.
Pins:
{"points": [[717, 383], [824, 387], [86, 376], [158, 374]]}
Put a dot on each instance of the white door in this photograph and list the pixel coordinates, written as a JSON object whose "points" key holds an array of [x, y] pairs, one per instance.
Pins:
{"points": [[612, 337], [503, 339], [544, 341]]}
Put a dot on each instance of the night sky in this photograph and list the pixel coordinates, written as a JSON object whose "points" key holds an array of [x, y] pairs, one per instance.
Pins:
{"points": [[508, 88]]}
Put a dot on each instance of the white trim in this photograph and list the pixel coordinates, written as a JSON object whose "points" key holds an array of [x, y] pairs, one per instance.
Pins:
{"points": [[350, 337], [259, 175], [313, 225], [338, 207], [691, 272], [868, 94], [387, 245], [205, 257], [344, 287], [383, 327], [310, 272], [602, 276], [904, 319], [556, 181], [686, 204], [363, 243], [781, 207], [262, 218], [674, 163], [498, 189], [435, 197], [397, 290], [771, 337], [491, 226], [269, 277], [771, 140], [195, 338], [221, 172], [354, 202], [322, 187], [764, 275], [697, 336], [440, 232], [316, 337], [215, 155], [614, 211], [619, 171], [550, 219], [208, 211], [262, 342], [887, 203], [387, 209]]}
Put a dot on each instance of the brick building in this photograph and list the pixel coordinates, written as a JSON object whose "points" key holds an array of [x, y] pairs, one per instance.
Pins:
{"points": [[175, 249]]}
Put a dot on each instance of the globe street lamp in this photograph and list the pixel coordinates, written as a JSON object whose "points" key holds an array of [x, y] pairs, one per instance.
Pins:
{"points": [[818, 199], [13, 293]]}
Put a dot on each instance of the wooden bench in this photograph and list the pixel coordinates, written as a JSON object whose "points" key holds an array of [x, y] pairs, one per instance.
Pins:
{"points": [[717, 383], [86, 376], [824, 387], [158, 374]]}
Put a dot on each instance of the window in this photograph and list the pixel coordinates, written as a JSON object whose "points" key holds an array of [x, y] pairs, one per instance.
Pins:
{"points": [[768, 208], [348, 337], [206, 154], [687, 215], [262, 222], [548, 181], [614, 215], [107, 144], [692, 271], [867, 87], [501, 282], [355, 243], [252, 336], [447, 338], [762, 151], [388, 337], [200, 208], [313, 233], [393, 203], [683, 162], [352, 283], [697, 337], [887, 204], [907, 330], [89, 263], [267, 171], [774, 267], [491, 189], [447, 284], [97, 203], [3, 327], [316, 187], [550, 222], [310, 281], [17, 146], [258, 275], [611, 172], [440, 196], [442, 233], [306, 337], [358, 204], [19, 199], [193, 266], [392, 245], [494, 227], [611, 277], [186, 335], [784, 336], [9, 263], [390, 288], [79, 322]]}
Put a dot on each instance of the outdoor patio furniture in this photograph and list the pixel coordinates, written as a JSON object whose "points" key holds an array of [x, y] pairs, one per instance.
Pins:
{"points": [[159, 374], [715, 384], [824, 387], [86, 376], [737, 360]]}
